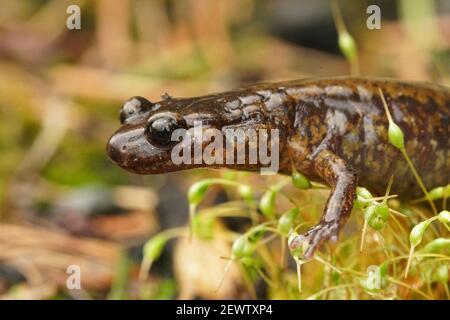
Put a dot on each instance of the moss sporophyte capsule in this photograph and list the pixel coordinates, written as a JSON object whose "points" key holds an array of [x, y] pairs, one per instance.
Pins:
{"points": [[267, 204], [286, 221]]}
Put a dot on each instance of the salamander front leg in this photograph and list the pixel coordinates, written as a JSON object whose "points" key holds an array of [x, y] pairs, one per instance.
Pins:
{"points": [[334, 171]]}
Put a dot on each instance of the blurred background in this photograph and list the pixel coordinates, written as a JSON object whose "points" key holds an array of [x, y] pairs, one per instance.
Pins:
{"points": [[62, 202]]}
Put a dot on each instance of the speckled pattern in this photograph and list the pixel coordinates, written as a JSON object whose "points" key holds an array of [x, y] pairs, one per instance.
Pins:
{"points": [[334, 130]]}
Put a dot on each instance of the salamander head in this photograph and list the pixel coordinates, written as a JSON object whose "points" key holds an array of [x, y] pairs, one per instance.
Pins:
{"points": [[143, 144], [162, 137]]}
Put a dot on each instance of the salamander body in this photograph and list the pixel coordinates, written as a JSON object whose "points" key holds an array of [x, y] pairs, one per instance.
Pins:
{"points": [[332, 130]]}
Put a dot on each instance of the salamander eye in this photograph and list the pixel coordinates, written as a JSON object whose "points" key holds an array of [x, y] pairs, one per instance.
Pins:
{"points": [[134, 107], [160, 127]]}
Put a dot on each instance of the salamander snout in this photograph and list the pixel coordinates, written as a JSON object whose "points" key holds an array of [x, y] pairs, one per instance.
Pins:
{"points": [[135, 109], [130, 149]]}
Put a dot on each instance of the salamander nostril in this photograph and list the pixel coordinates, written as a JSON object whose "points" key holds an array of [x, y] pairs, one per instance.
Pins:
{"points": [[117, 147], [133, 108]]}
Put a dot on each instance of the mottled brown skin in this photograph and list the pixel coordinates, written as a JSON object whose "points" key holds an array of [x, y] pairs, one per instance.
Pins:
{"points": [[334, 130]]}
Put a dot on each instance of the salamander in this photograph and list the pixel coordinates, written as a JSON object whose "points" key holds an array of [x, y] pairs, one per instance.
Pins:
{"points": [[333, 130]]}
